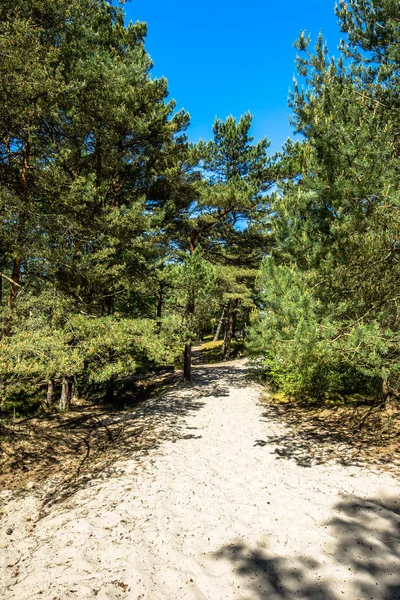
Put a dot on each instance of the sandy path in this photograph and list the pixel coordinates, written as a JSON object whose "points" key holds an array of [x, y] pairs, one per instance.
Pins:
{"points": [[213, 513]]}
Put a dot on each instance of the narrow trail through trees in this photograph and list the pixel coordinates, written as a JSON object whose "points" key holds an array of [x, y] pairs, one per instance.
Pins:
{"points": [[215, 511]]}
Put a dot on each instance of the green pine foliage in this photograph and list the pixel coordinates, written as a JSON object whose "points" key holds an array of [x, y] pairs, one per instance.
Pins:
{"points": [[329, 317], [111, 234], [304, 345], [92, 351], [121, 243], [89, 152]]}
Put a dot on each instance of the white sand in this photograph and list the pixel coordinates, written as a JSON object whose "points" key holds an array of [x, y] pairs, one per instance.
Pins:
{"points": [[213, 513]]}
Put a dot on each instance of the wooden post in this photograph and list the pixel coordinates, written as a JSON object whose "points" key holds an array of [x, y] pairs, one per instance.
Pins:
{"points": [[187, 362]]}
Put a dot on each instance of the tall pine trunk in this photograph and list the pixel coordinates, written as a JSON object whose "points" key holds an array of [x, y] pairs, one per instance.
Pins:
{"points": [[229, 330], [219, 326], [235, 312], [66, 393]]}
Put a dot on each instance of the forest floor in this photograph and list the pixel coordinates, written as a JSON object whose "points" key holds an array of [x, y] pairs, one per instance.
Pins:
{"points": [[207, 491]]}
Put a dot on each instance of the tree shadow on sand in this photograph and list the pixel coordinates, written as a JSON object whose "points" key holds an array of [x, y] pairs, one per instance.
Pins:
{"points": [[365, 558], [101, 440], [311, 438], [61, 453], [219, 379]]}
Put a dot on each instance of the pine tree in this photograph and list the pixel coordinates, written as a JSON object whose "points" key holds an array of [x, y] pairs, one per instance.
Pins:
{"points": [[337, 214], [225, 209], [240, 176], [89, 153]]}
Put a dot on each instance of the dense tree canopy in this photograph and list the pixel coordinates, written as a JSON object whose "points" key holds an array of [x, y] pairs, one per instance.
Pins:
{"points": [[121, 243], [111, 233]]}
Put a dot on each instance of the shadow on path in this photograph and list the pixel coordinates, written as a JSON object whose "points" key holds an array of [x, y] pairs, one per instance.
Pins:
{"points": [[61, 454], [219, 379], [309, 439], [366, 536]]}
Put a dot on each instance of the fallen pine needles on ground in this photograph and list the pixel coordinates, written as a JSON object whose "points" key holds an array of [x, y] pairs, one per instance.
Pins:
{"points": [[81, 443], [354, 431]]}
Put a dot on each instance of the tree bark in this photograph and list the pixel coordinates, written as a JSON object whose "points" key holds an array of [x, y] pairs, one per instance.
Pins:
{"points": [[226, 349], [12, 295], [385, 389], [234, 322], [50, 394], [219, 326], [66, 393]]}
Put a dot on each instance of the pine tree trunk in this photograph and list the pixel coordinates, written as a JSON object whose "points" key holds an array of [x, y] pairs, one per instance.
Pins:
{"points": [[219, 326], [226, 349], [66, 393], [50, 394], [12, 296], [385, 389], [187, 362], [234, 321]]}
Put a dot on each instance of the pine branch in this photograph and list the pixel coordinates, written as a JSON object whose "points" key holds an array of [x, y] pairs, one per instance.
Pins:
{"points": [[10, 280]]}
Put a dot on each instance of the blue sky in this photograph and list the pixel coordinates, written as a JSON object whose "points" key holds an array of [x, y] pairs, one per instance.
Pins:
{"points": [[226, 57]]}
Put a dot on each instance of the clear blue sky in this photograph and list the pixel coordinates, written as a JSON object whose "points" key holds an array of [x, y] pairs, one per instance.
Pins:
{"points": [[225, 57]]}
